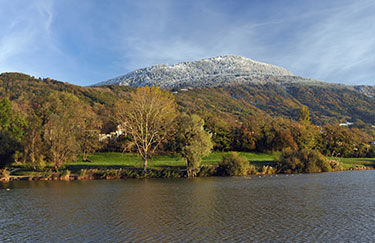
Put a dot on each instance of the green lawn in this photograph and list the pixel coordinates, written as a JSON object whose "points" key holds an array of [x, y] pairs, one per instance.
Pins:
{"points": [[353, 162], [111, 160]]}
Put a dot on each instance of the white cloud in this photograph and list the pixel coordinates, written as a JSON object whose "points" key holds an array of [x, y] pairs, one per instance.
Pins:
{"points": [[171, 39], [339, 46], [326, 40], [331, 42], [22, 35]]}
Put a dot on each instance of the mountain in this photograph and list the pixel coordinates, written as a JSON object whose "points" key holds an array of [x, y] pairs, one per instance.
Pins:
{"points": [[206, 72], [220, 71], [227, 86], [238, 85]]}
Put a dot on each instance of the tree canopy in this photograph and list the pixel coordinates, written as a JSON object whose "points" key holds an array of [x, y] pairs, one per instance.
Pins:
{"points": [[194, 141], [147, 118]]}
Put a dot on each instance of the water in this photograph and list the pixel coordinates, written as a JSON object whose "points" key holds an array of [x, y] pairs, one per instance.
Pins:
{"points": [[328, 207]]}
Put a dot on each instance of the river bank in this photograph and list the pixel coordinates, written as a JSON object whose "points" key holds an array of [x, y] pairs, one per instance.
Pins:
{"points": [[107, 166], [111, 174]]}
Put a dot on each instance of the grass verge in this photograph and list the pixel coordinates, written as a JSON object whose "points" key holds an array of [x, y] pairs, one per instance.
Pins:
{"points": [[113, 160], [355, 162]]}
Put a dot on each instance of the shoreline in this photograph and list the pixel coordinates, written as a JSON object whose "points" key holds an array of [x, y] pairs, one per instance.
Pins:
{"points": [[167, 173]]}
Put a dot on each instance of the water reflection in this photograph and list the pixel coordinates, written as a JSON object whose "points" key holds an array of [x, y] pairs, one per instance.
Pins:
{"points": [[317, 207]]}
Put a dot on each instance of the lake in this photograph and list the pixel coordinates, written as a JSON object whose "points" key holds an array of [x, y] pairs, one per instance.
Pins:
{"points": [[307, 207]]}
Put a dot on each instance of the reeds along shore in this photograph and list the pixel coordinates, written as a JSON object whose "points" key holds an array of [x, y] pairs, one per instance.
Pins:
{"points": [[111, 174]]}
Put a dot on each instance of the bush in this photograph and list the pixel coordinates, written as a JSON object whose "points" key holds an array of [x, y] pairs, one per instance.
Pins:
{"points": [[268, 170], [302, 161], [41, 165], [83, 174], [65, 175], [8, 148], [234, 165], [47, 174], [4, 175], [98, 174], [87, 174], [336, 165], [209, 170], [133, 173], [252, 170], [113, 174], [170, 173]]}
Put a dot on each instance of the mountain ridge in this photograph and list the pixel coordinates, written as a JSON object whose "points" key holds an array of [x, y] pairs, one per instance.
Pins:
{"points": [[220, 71], [328, 103], [212, 71]]}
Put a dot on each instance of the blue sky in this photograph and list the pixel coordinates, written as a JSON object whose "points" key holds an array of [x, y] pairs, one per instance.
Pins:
{"points": [[87, 41]]}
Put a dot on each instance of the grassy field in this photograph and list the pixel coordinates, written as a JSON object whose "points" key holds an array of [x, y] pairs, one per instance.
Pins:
{"points": [[112, 160], [127, 160], [355, 162]]}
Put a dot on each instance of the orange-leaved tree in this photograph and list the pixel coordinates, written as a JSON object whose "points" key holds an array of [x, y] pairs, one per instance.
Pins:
{"points": [[147, 117]]}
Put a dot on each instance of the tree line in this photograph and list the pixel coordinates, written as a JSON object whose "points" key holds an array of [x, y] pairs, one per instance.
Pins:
{"points": [[58, 127]]}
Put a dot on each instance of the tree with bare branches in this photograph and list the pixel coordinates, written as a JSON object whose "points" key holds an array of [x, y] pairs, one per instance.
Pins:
{"points": [[147, 118]]}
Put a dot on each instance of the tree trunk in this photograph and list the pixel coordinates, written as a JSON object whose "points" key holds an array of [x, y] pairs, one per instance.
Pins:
{"points": [[145, 165], [85, 156], [189, 173]]}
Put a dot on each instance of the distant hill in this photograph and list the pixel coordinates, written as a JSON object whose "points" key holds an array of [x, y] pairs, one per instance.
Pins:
{"points": [[262, 94], [328, 103]]}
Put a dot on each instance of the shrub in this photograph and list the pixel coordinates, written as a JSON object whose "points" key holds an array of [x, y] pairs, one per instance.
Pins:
{"points": [[252, 170], [87, 174], [8, 148], [171, 173], [289, 162], [82, 174], [209, 170], [302, 161], [268, 170], [133, 173], [4, 175], [113, 174], [234, 165], [335, 165], [98, 174], [47, 174], [65, 175], [41, 165]]}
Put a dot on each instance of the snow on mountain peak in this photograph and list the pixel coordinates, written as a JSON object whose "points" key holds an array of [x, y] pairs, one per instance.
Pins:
{"points": [[206, 72]]}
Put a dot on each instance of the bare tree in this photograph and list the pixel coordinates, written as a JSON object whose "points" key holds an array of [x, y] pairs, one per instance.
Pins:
{"points": [[147, 118]]}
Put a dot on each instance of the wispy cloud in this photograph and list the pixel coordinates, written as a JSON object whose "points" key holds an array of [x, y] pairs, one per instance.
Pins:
{"points": [[339, 46], [333, 41], [89, 41], [181, 36], [24, 35]]}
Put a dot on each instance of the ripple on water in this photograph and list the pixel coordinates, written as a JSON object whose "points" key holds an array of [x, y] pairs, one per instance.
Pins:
{"points": [[318, 207]]}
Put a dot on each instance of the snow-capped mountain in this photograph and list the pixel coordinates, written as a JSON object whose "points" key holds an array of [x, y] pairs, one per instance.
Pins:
{"points": [[206, 72]]}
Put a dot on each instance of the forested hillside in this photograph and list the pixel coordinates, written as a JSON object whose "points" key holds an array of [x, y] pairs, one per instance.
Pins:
{"points": [[44, 120], [327, 103]]}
